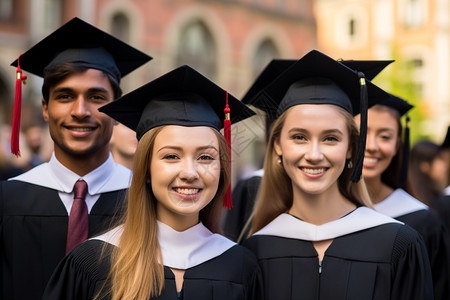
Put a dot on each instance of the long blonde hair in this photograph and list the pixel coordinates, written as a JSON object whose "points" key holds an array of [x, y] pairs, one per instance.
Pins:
{"points": [[276, 196], [136, 271]]}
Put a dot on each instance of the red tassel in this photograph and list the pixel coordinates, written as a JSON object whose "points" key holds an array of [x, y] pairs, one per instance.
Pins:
{"points": [[17, 110], [228, 203]]}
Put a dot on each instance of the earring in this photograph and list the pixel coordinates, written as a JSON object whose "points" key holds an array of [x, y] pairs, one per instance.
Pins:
{"points": [[349, 164], [280, 159]]}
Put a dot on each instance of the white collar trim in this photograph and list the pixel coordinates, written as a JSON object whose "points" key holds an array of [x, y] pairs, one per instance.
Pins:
{"points": [[112, 236], [258, 173], [288, 226], [181, 250], [53, 175], [399, 203]]}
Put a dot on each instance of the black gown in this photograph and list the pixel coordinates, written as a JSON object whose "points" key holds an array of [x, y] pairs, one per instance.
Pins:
{"points": [[383, 262], [403, 207], [33, 232], [441, 206], [244, 197], [437, 242], [234, 275]]}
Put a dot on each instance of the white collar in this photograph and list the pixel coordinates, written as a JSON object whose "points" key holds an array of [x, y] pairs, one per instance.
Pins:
{"points": [[399, 203], [106, 178], [286, 225], [447, 190], [258, 173], [181, 250]]}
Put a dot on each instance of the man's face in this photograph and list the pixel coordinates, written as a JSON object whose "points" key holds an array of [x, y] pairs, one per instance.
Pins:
{"points": [[77, 128]]}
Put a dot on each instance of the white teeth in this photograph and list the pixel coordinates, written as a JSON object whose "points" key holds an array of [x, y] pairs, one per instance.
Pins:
{"points": [[370, 160], [187, 191], [313, 171], [82, 129]]}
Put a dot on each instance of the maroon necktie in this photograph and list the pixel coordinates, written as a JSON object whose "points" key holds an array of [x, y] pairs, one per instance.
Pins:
{"points": [[78, 219]]}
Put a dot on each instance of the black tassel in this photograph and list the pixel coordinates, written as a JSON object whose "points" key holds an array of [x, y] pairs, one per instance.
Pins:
{"points": [[357, 171], [405, 155]]}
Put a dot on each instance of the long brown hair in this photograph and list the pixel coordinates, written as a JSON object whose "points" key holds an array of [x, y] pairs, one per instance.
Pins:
{"points": [[136, 271], [276, 196]]}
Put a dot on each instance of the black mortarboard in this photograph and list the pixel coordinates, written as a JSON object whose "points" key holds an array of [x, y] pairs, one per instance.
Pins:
{"points": [[370, 68], [402, 107], [318, 79], [274, 68], [181, 97], [446, 142], [81, 43]]}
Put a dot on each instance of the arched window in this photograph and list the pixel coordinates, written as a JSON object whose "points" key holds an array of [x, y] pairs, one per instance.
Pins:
{"points": [[197, 49], [265, 52], [416, 65], [414, 13], [120, 27], [352, 28]]}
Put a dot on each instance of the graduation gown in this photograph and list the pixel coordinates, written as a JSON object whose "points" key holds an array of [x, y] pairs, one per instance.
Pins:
{"points": [[33, 232], [369, 258], [33, 225], [244, 197], [405, 208], [232, 275], [441, 206]]}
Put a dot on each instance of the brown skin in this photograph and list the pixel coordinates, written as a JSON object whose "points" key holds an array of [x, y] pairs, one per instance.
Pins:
{"points": [[79, 131]]}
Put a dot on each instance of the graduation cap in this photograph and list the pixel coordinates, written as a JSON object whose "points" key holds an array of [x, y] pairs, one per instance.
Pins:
{"points": [[402, 107], [79, 43], [275, 67], [318, 79], [180, 97], [272, 70], [370, 68]]}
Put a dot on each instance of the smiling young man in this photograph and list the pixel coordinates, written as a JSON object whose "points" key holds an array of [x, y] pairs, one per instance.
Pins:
{"points": [[41, 215]]}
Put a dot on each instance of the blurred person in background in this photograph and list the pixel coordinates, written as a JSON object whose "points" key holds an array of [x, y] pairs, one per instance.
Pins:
{"points": [[9, 167], [123, 145], [34, 141], [428, 171], [441, 204]]}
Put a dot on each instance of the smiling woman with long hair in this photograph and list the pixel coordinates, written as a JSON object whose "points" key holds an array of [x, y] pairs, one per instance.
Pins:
{"points": [[314, 233], [168, 245], [385, 173]]}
